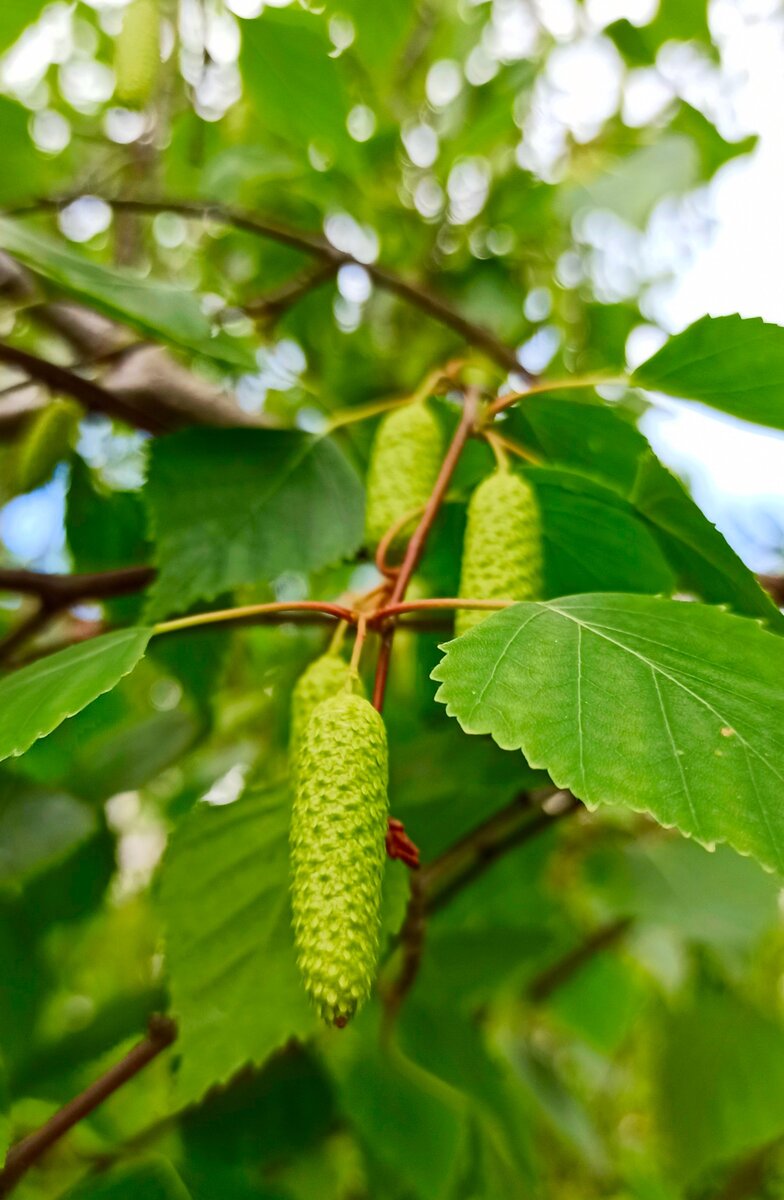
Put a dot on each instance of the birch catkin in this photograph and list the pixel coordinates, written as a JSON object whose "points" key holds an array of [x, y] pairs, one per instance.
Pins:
{"points": [[404, 465], [338, 833], [502, 549]]}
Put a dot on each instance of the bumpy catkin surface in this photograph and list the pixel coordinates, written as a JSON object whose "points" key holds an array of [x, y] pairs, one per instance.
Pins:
{"points": [[502, 551], [338, 832], [404, 464], [325, 677], [137, 53]]}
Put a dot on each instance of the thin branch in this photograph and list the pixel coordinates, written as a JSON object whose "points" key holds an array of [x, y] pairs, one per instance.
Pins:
{"points": [[255, 610], [413, 293], [91, 395], [60, 591], [465, 861], [556, 385], [436, 884], [418, 539], [21, 1157], [442, 602], [555, 976]]}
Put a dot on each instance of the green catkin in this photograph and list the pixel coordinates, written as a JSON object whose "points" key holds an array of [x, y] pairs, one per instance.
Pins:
{"points": [[338, 832], [325, 677], [137, 54], [502, 550], [404, 465]]}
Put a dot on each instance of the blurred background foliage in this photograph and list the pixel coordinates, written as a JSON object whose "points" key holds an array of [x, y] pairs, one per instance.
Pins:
{"points": [[599, 1013]]}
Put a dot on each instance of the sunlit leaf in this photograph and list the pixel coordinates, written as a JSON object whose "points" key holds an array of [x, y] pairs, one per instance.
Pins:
{"points": [[670, 708]]}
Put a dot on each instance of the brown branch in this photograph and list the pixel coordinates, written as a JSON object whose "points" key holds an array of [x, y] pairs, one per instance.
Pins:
{"points": [[436, 884], [61, 591], [316, 247], [560, 972], [419, 537], [90, 394], [465, 861], [25, 1154]]}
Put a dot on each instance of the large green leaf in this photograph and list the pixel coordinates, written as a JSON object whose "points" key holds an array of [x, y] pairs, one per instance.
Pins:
{"points": [[593, 540], [237, 506], [671, 708], [705, 562], [156, 309], [235, 988], [735, 364], [34, 700], [720, 1081], [586, 436], [298, 89], [150, 1179]]}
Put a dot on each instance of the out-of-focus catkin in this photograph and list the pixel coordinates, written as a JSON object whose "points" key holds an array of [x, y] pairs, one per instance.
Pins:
{"points": [[404, 464], [338, 832], [502, 549], [137, 54]]}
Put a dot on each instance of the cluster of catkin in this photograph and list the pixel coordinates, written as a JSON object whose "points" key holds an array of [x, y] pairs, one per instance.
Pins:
{"points": [[338, 750]]}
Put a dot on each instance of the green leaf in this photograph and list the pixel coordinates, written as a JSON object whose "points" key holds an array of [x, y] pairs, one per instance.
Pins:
{"points": [[705, 562], [234, 506], [235, 988], [587, 437], [659, 706], [720, 1081], [36, 699], [153, 1179], [593, 539], [154, 308], [297, 87], [735, 364], [37, 828]]}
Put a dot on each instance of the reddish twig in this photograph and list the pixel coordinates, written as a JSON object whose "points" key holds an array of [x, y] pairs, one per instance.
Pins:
{"points": [[383, 546], [21, 1157], [419, 537]]}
